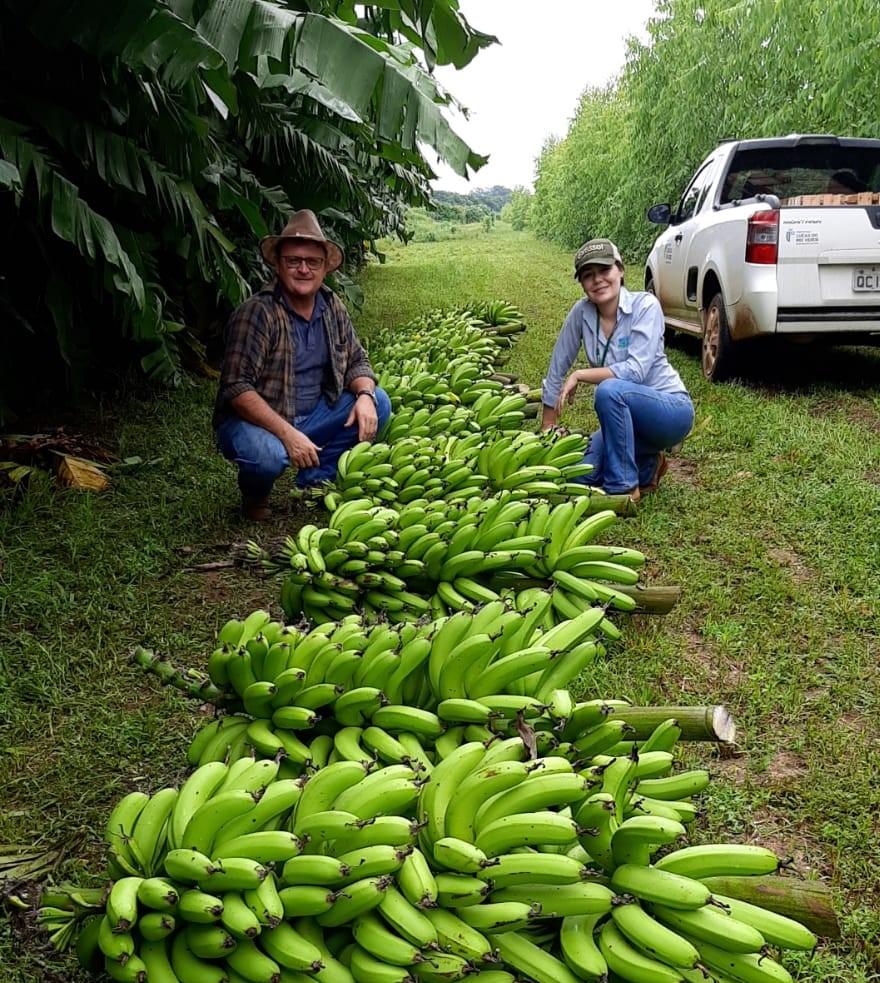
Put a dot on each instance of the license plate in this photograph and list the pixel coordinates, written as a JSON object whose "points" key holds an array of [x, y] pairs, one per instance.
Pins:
{"points": [[866, 280]]}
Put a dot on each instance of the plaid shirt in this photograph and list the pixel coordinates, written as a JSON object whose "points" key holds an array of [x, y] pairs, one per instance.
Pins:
{"points": [[260, 354]]}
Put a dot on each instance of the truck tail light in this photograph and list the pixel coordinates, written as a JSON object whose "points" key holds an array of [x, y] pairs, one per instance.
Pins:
{"points": [[762, 237]]}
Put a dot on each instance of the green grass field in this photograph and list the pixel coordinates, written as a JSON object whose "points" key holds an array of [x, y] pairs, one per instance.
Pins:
{"points": [[768, 520]]}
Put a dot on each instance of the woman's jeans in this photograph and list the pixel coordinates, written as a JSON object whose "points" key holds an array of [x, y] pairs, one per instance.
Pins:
{"points": [[261, 457], [637, 422]]}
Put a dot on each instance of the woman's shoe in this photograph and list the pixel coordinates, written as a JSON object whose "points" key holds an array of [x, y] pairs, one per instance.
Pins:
{"points": [[660, 470]]}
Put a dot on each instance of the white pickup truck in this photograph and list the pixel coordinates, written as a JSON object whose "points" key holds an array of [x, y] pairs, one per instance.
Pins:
{"points": [[772, 237]]}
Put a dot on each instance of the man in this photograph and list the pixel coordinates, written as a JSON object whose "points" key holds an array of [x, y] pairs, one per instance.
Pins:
{"points": [[296, 385]]}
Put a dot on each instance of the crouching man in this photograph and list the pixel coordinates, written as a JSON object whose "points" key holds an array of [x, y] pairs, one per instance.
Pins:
{"points": [[296, 385]]}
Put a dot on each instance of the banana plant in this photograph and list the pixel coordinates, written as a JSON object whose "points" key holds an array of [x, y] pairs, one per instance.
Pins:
{"points": [[145, 147]]}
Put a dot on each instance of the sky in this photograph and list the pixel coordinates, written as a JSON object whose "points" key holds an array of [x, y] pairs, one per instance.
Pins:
{"points": [[526, 88]]}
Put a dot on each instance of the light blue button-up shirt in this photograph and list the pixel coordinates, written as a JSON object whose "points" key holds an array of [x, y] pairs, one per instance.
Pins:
{"points": [[635, 352]]}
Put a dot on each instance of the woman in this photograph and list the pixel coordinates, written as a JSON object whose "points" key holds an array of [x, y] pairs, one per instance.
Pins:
{"points": [[642, 404]]}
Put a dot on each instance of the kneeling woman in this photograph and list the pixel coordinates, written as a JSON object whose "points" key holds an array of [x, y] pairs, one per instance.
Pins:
{"points": [[642, 404]]}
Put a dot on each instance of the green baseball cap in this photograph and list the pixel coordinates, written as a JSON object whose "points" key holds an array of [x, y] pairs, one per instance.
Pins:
{"points": [[602, 252]]}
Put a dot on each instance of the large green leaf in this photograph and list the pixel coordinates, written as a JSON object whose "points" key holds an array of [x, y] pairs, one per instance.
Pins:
{"points": [[10, 179], [150, 143]]}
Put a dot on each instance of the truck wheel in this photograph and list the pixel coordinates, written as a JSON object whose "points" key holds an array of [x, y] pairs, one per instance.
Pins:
{"points": [[717, 356]]}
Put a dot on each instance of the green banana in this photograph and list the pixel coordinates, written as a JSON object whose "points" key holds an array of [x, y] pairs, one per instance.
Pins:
{"points": [[629, 963], [354, 900], [209, 941], [122, 904], [199, 908], [560, 900], [526, 829], [456, 936], [373, 935], [745, 967], [532, 961], [716, 859], [314, 869], [653, 938], [459, 855], [406, 919], [194, 792], [265, 846], [659, 886], [579, 948], [416, 880], [207, 820], [775, 928], [238, 918], [712, 924]]}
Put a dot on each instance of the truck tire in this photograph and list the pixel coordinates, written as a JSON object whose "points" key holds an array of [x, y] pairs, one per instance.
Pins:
{"points": [[717, 352]]}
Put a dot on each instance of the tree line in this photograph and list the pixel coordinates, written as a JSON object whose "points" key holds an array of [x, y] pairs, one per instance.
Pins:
{"points": [[146, 146], [708, 70]]}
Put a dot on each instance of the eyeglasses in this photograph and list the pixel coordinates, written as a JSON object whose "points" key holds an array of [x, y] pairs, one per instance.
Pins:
{"points": [[294, 262]]}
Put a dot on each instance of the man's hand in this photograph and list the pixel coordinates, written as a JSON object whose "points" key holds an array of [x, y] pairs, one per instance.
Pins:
{"points": [[364, 411], [301, 451], [568, 391]]}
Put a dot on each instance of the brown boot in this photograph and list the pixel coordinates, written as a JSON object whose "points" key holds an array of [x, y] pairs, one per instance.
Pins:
{"points": [[661, 469], [255, 509]]}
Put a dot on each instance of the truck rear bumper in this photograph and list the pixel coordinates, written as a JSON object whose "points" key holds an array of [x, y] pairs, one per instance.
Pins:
{"points": [[828, 320]]}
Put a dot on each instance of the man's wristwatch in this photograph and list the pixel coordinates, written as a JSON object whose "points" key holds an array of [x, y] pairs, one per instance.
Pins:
{"points": [[366, 392]]}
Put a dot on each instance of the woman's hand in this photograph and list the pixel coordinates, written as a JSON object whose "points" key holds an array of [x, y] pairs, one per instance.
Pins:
{"points": [[568, 391]]}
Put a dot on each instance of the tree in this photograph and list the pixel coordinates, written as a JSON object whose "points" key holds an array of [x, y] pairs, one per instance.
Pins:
{"points": [[709, 70], [146, 146], [516, 211]]}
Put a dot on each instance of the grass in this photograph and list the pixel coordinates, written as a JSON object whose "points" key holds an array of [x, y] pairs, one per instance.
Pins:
{"points": [[768, 518]]}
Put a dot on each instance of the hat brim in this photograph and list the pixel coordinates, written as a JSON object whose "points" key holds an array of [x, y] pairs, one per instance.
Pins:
{"points": [[593, 262], [335, 256]]}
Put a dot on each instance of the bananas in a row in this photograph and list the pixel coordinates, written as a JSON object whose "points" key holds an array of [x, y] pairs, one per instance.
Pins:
{"points": [[441, 357], [543, 465], [459, 857], [344, 680], [457, 554]]}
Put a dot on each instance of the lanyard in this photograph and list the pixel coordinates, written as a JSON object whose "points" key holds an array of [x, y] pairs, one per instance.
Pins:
{"points": [[607, 342]]}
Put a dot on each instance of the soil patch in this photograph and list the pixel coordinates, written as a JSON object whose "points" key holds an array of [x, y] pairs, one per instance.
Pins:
{"points": [[772, 828], [684, 471], [799, 571], [784, 767], [864, 416], [705, 670]]}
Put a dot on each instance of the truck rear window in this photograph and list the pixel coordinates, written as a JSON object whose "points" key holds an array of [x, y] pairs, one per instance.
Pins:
{"points": [[810, 170]]}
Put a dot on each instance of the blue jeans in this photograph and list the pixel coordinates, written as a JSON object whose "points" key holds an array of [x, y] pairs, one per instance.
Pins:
{"points": [[637, 422], [261, 457]]}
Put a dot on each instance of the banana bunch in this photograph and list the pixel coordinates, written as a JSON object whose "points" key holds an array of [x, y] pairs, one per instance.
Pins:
{"points": [[413, 466], [64, 910], [418, 420], [552, 546], [492, 408], [402, 471], [349, 682], [440, 373], [497, 314], [440, 555], [416, 854], [440, 354]]}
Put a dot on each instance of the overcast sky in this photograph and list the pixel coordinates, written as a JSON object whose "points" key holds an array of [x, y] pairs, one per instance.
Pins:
{"points": [[526, 88]]}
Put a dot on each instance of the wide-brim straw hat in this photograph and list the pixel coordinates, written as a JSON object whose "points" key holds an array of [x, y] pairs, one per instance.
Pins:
{"points": [[302, 225]]}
